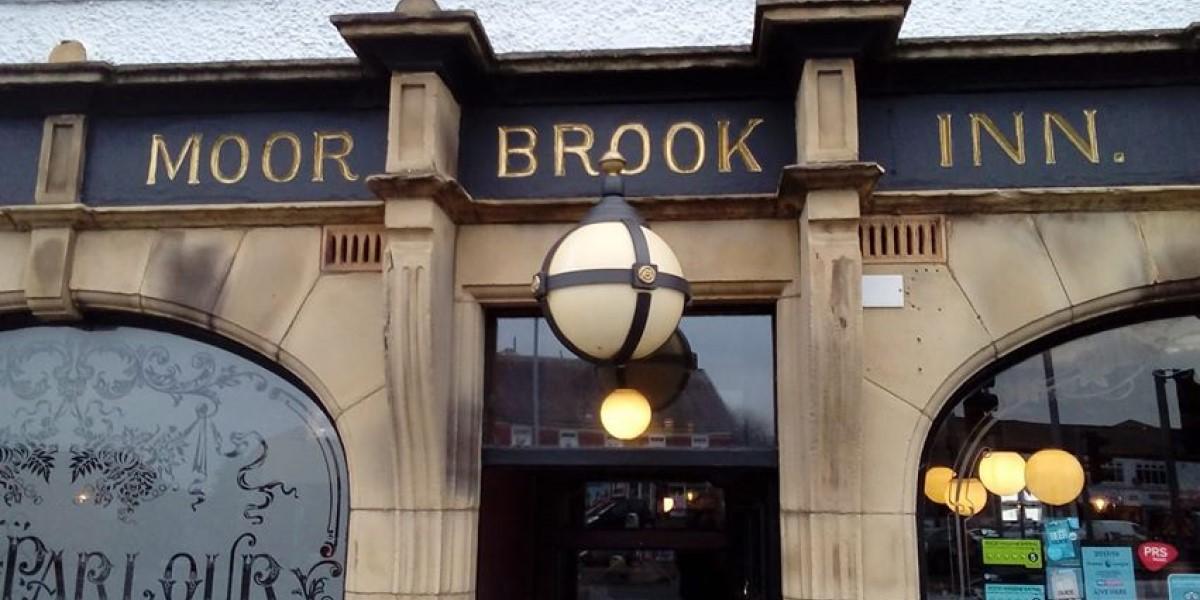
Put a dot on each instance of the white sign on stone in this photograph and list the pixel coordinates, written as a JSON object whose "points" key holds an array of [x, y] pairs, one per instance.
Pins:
{"points": [[883, 291]]}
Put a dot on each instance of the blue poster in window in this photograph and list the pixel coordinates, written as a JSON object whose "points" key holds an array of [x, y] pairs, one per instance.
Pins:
{"points": [[1008, 591], [1108, 573], [1183, 586], [1061, 537]]}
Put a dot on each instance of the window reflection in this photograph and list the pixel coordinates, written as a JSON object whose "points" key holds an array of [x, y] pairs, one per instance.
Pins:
{"points": [[539, 394], [692, 567], [654, 505], [1126, 403]]}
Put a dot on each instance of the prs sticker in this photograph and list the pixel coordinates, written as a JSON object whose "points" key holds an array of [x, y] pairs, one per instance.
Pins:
{"points": [[1156, 555]]}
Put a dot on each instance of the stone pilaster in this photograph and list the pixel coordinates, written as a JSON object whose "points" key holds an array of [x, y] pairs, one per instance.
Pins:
{"points": [[820, 349], [59, 179], [435, 421]]}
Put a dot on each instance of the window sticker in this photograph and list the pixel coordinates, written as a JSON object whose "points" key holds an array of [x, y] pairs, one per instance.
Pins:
{"points": [[1020, 553], [1064, 583], [1108, 573], [1062, 537], [1183, 586], [1008, 591], [1155, 556]]}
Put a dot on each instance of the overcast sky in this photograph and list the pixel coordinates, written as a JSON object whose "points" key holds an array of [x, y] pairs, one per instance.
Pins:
{"points": [[137, 31]]}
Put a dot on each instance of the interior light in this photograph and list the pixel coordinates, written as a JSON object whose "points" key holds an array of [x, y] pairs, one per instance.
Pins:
{"points": [[625, 414], [936, 479], [967, 497], [1002, 473], [1054, 476]]}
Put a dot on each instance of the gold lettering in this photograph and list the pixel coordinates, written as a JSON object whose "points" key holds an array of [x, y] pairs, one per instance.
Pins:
{"points": [[214, 158], [320, 154], [669, 147], [945, 141], [562, 149], [1016, 153], [190, 151], [294, 169], [641, 131], [1089, 148], [739, 146], [506, 150]]}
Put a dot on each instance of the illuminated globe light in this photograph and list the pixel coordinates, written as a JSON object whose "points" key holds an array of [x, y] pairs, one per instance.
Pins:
{"points": [[611, 289], [936, 479], [1002, 473], [1054, 476], [625, 414], [966, 496]]}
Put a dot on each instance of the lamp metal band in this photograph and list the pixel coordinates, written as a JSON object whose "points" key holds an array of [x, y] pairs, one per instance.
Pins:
{"points": [[641, 310], [568, 279], [545, 282]]}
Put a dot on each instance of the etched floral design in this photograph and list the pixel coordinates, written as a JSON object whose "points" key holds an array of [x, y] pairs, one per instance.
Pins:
{"points": [[76, 386], [120, 474], [18, 462]]}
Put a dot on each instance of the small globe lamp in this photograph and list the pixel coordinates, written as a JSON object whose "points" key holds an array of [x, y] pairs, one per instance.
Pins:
{"points": [[936, 479], [611, 289], [625, 414], [1002, 473], [967, 497], [660, 377], [1054, 476]]}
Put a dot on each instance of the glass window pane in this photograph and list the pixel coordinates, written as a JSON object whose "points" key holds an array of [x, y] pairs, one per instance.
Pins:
{"points": [[540, 394], [1125, 404], [141, 464], [696, 506]]}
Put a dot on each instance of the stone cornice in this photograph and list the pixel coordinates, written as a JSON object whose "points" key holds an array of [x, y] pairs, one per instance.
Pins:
{"points": [[463, 209], [798, 180], [1036, 200], [78, 216]]}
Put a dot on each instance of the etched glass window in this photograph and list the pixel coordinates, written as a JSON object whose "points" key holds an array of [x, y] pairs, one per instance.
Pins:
{"points": [[141, 464], [1107, 505]]}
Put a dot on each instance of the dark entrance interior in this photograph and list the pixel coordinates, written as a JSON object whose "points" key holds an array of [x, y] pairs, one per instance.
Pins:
{"points": [[636, 533]]}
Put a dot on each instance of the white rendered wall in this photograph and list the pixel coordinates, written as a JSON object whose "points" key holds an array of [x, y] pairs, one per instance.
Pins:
{"points": [[137, 31]]}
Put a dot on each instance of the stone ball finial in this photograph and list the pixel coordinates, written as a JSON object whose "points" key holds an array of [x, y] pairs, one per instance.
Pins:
{"points": [[417, 7], [612, 163], [68, 51]]}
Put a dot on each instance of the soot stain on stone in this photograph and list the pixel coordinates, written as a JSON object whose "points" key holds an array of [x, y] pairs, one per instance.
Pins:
{"points": [[46, 259]]}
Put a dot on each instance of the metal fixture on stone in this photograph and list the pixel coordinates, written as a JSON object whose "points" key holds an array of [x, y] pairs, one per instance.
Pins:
{"points": [[611, 289]]}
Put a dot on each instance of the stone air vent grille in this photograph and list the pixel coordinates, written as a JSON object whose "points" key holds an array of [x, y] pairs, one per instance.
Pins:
{"points": [[347, 248], [906, 239]]}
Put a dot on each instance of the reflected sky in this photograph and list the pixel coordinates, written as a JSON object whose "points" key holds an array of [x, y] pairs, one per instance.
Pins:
{"points": [[1104, 378], [735, 351]]}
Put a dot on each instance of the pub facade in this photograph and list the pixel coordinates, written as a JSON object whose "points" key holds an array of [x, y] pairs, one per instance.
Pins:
{"points": [[267, 328]]}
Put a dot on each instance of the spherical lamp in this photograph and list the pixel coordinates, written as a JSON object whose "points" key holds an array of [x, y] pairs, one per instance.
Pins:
{"points": [[625, 414], [936, 479], [660, 377], [1002, 473], [966, 496], [1054, 476], [611, 289]]}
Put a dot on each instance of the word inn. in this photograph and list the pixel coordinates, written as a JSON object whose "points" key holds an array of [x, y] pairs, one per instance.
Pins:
{"points": [[683, 148], [1012, 141], [279, 157]]}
